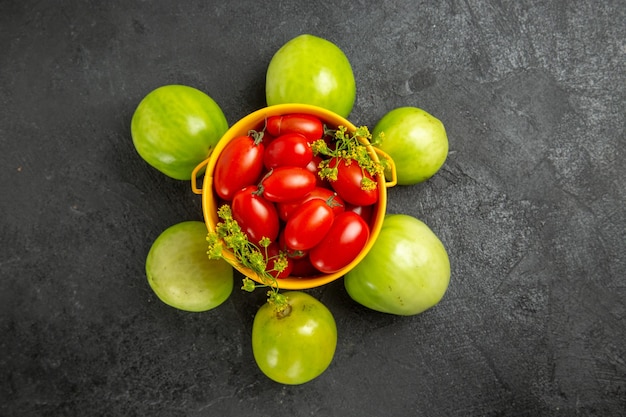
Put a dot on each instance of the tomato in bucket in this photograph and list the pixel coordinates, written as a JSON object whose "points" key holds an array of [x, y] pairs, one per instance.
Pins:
{"points": [[326, 236]]}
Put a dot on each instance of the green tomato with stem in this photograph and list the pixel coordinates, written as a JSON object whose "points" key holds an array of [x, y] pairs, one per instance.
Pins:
{"points": [[180, 272], [406, 272], [311, 70], [175, 127], [415, 140], [294, 343]]}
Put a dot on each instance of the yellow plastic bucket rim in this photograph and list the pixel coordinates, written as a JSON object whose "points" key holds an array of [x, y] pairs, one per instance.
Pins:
{"points": [[241, 128]]}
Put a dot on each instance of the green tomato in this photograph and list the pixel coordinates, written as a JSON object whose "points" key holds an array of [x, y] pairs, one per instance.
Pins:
{"points": [[311, 70], [175, 128], [415, 140], [297, 345], [406, 272], [180, 272]]}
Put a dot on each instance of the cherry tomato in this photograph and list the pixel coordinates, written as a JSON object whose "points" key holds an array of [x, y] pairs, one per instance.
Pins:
{"points": [[313, 166], [303, 268], [297, 344], [273, 252], [240, 164], [256, 216], [291, 253], [287, 183], [343, 242], [364, 211], [320, 193], [349, 183], [307, 125], [308, 225], [288, 149]]}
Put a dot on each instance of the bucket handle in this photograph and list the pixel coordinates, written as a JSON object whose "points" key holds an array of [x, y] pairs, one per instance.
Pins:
{"points": [[392, 168], [194, 176]]}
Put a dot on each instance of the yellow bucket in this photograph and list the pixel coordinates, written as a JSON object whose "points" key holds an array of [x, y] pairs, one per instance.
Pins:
{"points": [[253, 121]]}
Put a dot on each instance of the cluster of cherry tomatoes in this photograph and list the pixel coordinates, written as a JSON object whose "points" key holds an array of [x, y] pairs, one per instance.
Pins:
{"points": [[271, 180]]}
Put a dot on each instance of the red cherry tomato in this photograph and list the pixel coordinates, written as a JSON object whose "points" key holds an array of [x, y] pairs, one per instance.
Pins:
{"points": [[308, 225], [239, 165], [364, 211], [292, 253], [303, 268], [321, 193], [343, 242], [313, 166], [256, 216], [287, 183], [309, 126], [288, 149], [349, 183], [273, 253], [267, 139]]}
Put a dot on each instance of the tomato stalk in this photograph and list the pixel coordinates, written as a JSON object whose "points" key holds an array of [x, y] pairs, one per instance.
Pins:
{"points": [[280, 303], [256, 135], [259, 186], [332, 201]]}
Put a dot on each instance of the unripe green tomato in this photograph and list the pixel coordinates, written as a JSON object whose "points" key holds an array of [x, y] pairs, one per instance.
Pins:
{"points": [[416, 142], [175, 128], [311, 70], [297, 346], [406, 272], [180, 272]]}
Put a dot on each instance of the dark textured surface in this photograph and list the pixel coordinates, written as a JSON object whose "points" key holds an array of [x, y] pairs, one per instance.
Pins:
{"points": [[530, 205]]}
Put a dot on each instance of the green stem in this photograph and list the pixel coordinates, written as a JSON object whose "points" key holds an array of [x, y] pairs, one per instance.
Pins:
{"points": [[256, 135]]}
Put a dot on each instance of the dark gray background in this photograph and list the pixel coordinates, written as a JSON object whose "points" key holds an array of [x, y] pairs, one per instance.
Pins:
{"points": [[530, 205]]}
